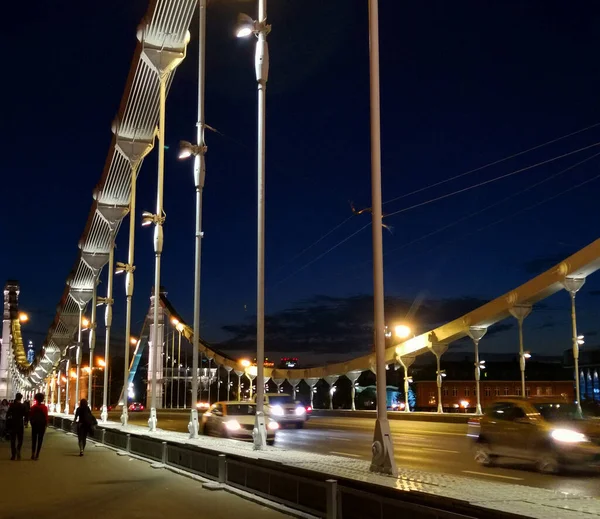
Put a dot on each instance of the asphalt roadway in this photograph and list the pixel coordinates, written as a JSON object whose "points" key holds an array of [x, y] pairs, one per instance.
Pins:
{"points": [[101, 484], [428, 446]]}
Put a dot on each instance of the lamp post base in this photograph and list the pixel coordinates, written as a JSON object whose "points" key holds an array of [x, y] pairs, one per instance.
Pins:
{"points": [[193, 425], [67, 409], [383, 460], [152, 421], [104, 414], [259, 433], [124, 416]]}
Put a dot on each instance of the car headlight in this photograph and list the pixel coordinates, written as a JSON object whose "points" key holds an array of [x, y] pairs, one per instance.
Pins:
{"points": [[273, 426], [277, 410], [300, 410], [568, 436], [233, 425]]}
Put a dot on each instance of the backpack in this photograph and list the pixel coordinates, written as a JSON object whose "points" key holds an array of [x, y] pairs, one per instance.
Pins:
{"points": [[38, 418]]}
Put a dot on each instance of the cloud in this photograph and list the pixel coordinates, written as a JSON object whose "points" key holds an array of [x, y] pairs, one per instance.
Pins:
{"points": [[541, 264], [325, 324]]}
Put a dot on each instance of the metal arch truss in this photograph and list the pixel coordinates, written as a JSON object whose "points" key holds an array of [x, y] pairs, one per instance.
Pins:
{"points": [[162, 33]]}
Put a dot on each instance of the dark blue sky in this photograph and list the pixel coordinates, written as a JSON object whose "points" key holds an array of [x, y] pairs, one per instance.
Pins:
{"points": [[463, 84]]}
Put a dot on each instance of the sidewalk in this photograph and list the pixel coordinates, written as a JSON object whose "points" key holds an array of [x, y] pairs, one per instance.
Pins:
{"points": [[101, 484]]}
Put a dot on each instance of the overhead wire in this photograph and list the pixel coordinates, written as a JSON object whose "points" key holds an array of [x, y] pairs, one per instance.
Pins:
{"points": [[489, 181], [447, 195], [430, 186]]}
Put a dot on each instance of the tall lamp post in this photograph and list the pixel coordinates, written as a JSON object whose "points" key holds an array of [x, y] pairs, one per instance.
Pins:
{"points": [[383, 448], [573, 285], [260, 29]]}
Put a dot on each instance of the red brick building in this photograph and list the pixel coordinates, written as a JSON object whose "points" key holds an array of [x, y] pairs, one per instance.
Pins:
{"points": [[462, 393]]}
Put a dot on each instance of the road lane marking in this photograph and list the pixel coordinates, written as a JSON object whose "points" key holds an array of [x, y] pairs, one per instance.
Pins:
{"points": [[345, 454], [438, 450], [492, 475]]}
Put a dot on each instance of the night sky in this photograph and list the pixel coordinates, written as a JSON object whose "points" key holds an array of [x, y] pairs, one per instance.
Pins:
{"points": [[464, 84]]}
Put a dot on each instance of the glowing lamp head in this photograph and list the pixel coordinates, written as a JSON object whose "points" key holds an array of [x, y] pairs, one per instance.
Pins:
{"points": [[245, 26], [245, 363], [402, 331], [23, 317]]}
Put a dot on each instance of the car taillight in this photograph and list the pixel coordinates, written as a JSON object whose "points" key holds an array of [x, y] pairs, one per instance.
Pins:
{"points": [[308, 409]]}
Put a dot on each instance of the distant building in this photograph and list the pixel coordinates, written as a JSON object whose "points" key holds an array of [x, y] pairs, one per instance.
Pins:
{"points": [[288, 363], [462, 393], [30, 352], [589, 367]]}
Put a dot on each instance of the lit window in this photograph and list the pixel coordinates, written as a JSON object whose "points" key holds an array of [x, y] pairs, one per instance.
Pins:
{"points": [[527, 391], [506, 391], [518, 391], [548, 391], [538, 391], [488, 391], [466, 391], [497, 391], [454, 391], [445, 391]]}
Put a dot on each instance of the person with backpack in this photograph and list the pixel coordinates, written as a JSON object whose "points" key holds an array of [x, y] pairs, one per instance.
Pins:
{"points": [[16, 418], [86, 422], [38, 417]]}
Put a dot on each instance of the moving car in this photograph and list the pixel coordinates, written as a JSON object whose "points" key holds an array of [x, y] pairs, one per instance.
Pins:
{"points": [[235, 420], [136, 406], [285, 410], [545, 431]]}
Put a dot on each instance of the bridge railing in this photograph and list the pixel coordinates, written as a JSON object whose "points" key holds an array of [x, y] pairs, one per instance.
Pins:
{"points": [[301, 489]]}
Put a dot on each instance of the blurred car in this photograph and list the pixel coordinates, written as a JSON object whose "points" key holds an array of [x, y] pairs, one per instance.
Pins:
{"points": [[202, 406], [546, 431], [235, 420], [285, 410], [136, 406]]}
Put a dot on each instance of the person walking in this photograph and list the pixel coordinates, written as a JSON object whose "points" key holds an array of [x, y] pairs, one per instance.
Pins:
{"points": [[38, 417], [16, 416], [86, 422], [3, 411]]}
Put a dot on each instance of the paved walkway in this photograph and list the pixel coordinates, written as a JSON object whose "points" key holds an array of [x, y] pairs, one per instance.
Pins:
{"points": [[101, 484]]}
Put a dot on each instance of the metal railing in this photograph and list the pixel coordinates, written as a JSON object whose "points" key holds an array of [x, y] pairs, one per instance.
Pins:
{"points": [[300, 489]]}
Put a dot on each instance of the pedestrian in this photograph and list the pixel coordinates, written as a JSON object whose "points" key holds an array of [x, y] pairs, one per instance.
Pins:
{"points": [[27, 409], [38, 416], [3, 410], [86, 422], [16, 416]]}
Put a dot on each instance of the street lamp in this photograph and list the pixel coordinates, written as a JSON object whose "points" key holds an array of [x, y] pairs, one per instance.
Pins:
{"points": [[520, 312], [23, 317], [260, 29], [179, 327], [402, 331]]}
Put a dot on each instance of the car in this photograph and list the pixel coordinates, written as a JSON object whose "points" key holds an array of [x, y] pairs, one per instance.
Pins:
{"points": [[235, 420], [285, 410], [136, 406], [546, 431]]}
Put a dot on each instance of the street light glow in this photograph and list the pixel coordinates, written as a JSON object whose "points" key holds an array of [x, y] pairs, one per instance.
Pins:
{"points": [[133, 341], [23, 317], [174, 321], [245, 26], [101, 363], [402, 331]]}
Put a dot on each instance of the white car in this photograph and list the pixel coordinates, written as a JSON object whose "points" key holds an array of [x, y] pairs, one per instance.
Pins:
{"points": [[235, 420], [285, 410]]}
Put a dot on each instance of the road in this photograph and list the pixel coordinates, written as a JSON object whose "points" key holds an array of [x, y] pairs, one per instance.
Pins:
{"points": [[428, 446], [101, 484]]}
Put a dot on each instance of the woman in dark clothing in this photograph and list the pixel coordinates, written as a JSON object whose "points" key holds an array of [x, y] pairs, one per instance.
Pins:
{"points": [[38, 416], [85, 423]]}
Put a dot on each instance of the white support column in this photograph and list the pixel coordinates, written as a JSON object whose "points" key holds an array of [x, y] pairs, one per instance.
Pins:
{"points": [[239, 374], [520, 312], [353, 377], [228, 369], [294, 383], [406, 361], [438, 349], [312, 382], [573, 285], [331, 380]]}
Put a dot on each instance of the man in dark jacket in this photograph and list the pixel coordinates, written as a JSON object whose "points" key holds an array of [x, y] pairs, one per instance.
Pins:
{"points": [[16, 419]]}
